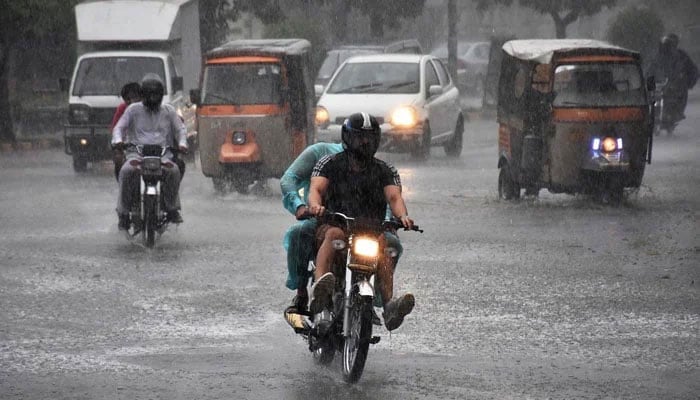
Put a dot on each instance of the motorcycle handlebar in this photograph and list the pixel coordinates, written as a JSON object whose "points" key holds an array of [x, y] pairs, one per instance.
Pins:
{"points": [[394, 223]]}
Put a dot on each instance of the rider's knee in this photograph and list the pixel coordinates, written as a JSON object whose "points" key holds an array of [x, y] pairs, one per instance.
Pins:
{"points": [[334, 233]]}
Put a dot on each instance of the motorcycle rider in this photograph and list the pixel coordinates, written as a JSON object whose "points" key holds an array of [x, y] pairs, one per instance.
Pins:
{"points": [[299, 238], [355, 183], [130, 93], [681, 72], [149, 122]]}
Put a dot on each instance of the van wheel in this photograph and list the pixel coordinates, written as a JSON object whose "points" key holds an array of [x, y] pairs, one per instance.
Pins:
{"points": [[508, 189], [79, 163], [453, 148], [422, 150]]}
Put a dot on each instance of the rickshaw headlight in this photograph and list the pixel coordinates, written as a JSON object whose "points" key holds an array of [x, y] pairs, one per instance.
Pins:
{"points": [[366, 247], [83, 142], [404, 117], [322, 116], [238, 138], [609, 144]]}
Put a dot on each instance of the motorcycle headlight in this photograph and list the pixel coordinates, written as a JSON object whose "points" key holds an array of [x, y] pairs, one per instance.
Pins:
{"points": [[366, 247], [404, 117]]}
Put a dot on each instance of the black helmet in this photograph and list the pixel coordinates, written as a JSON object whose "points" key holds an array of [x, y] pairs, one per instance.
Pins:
{"points": [[360, 134], [152, 91]]}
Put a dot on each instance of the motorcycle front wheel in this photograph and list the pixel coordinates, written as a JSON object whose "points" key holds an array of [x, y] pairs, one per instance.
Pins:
{"points": [[356, 344], [150, 220]]}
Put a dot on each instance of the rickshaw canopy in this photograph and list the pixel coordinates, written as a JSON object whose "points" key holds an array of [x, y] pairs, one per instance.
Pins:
{"points": [[543, 50]]}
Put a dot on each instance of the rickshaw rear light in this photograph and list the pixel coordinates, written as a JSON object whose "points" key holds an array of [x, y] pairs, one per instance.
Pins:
{"points": [[595, 146], [619, 143], [609, 145]]}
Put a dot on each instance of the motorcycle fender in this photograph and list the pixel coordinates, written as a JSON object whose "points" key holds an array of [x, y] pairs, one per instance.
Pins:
{"points": [[365, 289]]}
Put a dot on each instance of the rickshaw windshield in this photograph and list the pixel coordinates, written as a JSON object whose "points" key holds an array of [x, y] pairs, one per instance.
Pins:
{"points": [[244, 83], [598, 85]]}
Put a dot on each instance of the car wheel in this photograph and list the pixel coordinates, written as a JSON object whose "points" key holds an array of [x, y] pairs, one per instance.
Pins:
{"points": [[453, 148], [422, 150]]}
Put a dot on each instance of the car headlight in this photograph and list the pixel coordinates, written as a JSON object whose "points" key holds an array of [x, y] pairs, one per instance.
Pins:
{"points": [[79, 113], [404, 117], [322, 117], [366, 247], [238, 138]]}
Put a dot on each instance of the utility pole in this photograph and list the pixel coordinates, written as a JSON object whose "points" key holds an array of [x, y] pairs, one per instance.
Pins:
{"points": [[452, 19]]}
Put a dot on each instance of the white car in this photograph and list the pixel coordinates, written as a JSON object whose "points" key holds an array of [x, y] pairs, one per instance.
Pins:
{"points": [[412, 96]]}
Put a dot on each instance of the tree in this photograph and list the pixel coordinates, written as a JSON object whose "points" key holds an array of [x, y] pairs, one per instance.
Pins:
{"points": [[215, 15], [389, 12], [563, 12], [19, 20], [638, 29]]}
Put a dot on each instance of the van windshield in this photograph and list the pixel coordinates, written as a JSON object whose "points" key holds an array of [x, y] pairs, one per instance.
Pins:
{"points": [[245, 83], [105, 76], [377, 77], [598, 85]]}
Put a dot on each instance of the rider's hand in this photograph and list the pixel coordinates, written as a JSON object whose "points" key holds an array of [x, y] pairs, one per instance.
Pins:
{"points": [[317, 209], [407, 222], [183, 150], [301, 210]]}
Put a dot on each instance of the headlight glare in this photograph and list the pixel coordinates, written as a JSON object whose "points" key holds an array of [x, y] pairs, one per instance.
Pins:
{"points": [[404, 117], [322, 116], [609, 145], [366, 247]]}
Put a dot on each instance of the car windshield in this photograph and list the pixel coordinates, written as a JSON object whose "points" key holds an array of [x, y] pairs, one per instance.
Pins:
{"points": [[337, 57], [245, 83], [105, 76], [377, 77], [598, 85]]}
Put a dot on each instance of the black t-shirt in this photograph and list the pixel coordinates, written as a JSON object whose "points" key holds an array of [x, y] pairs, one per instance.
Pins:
{"points": [[358, 194]]}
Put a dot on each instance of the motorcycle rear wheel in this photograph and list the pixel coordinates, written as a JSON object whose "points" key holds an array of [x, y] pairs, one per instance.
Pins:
{"points": [[356, 345], [150, 219]]}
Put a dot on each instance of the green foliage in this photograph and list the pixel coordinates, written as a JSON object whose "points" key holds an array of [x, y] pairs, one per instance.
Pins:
{"points": [[637, 28], [387, 12], [299, 27], [215, 16]]}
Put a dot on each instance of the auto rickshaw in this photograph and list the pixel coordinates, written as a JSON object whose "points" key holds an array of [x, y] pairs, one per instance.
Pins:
{"points": [[574, 117], [255, 110]]}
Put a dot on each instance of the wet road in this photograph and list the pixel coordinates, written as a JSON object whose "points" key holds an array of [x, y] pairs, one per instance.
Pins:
{"points": [[557, 297]]}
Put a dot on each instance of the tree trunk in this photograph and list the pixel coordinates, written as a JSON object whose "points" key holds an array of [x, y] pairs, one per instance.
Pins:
{"points": [[559, 25], [7, 133], [376, 25]]}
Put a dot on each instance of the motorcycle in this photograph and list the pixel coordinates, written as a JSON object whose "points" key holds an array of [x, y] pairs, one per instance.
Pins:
{"points": [[148, 216], [346, 326]]}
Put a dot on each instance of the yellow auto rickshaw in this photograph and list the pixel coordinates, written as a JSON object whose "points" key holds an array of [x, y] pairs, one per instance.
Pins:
{"points": [[255, 110], [574, 117]]}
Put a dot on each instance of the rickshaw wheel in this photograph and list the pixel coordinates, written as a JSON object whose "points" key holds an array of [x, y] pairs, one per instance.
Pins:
{"points": [[240, 185], [507, 188], [220, 185]]}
